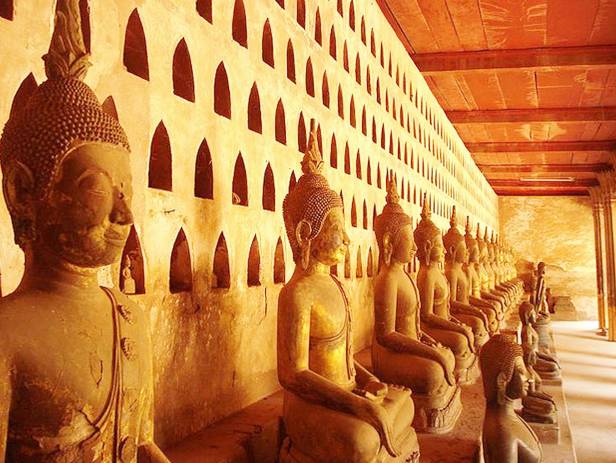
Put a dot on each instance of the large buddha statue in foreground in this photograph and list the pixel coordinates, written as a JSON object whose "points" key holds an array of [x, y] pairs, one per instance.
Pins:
{"points": [[436, 318], [456, 256], [335, 411], [506, 437], [75, 358], [493, 308], [401, 352]]}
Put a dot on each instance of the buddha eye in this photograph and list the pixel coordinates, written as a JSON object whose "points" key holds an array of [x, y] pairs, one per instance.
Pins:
{"points": [[121, 195]]}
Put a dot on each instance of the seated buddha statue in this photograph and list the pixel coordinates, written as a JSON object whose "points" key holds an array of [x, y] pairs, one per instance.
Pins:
{"points": [[76, 381], [544, 363], [436, 318], [402, 353], [335, 411], [484, 275], [500, 283], [491, 307], [506, 437], [456, 256], [543, 320], [491, 268], [538, 406]]}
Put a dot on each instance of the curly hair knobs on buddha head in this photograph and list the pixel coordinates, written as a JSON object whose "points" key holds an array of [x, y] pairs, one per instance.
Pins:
{"points": [[453, 237], [425, 232], [62, 113], [393, 218], [498, 356]]}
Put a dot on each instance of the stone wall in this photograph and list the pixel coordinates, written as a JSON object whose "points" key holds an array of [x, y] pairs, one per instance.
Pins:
{"points": [[559, 231], [216, 101]]}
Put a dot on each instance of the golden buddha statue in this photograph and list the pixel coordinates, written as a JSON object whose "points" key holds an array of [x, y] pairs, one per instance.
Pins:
{"points": [[545, 364], [506, 437], [335, 411], [436, 319], [491, 268], [75, 358], [483, 269], [543, 321], [491, 307], [456, 255], [537, 406], [401, 352], [500, 282]]}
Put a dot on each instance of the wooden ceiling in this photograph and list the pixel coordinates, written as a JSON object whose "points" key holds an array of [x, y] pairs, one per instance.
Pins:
{"points": [[530, 85]]}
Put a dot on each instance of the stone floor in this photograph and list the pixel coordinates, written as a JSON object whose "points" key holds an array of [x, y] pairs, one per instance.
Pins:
{"points": [[589, 381]]}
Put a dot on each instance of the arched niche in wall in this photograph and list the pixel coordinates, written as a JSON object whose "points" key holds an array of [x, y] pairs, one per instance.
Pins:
{"points": [[267, 45], [204, 8], [363, 30], [347, 159], [221, 277], [347, 264], [378, 176], [300, 13], [352, 15], [370, 264], [309, 78], [359, 271], [222, 94], [325, 90], [109, 107], [292, 182], [204, 174], [364, 122], [333, 270], [183, 79], [135, 55], [254, 110], [333, 52], [358, 69], [240, 183], [365, 216], [369, 173], [345, 57], [180, 268], [239, 30], [318, 32], [26, 89], [290, 61], [132, 275], [279, 264], [352, 114], [253, 277], [302, 140], [160, 173], [340, 103], [7, 10], [358, 165], [353, 213], [372, 43], [280, 124], [269, 190], [333, 153]]}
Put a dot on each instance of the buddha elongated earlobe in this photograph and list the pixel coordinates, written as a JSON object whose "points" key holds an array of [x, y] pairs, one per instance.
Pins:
{"points": [[302, 232], [427, 251], [387, 248], [501, 388]]}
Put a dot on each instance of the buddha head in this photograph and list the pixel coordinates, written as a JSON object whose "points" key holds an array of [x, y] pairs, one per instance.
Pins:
{"points": [[394, 229], [504, 375], [540, 269], [314, 216], [453, 240], [527, 313], [65, 162], [471, 243], [489, 246], [428, 238], [482, 245]]}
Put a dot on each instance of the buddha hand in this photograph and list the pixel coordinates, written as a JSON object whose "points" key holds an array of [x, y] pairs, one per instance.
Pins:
{"points": [[376, 389], [375, 415]]}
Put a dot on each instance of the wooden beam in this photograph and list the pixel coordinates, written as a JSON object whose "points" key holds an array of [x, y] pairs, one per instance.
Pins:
{"points": [[527, 147], [581, 183], [534, 115], [541, 168], [542, 192], [529, 58]]}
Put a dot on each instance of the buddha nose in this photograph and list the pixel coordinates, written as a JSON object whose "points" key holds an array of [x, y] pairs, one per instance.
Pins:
{"points": [[121, 213]]}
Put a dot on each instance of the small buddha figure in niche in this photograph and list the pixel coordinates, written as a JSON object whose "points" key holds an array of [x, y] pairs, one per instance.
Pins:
{"points": [[128, 282], [456, 256], [436, 319], [483, 269], [506, 437], [75, 358], [544, 363], [335, 411], [537, 406], [402, 353], [492, 308]]}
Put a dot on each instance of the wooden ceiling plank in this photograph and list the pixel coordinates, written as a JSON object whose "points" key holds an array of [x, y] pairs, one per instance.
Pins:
{"points": [[542, 168], [573, 26], [449, 88], [466, 18], [541, 192], [438, 18], [608, 145], [485, 90], [518, 88], [604, 31], [405, 16], [530, 58], [533, 115], [514, 24]]}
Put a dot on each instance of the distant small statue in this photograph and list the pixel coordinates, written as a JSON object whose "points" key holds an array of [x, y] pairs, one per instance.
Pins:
{"points": [[545, 364], [128, 285]]}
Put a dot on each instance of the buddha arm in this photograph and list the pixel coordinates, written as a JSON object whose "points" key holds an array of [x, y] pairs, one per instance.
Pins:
{"points": [[387, 336], [296, 376], [466, 309], [5, 403]]}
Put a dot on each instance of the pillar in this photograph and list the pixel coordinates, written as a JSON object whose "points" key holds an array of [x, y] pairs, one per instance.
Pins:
{"points": [[606, 180], [598, 215]]}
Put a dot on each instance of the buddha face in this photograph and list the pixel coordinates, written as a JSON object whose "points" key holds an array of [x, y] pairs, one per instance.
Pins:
{"points": [[330, 245], [87, 217], [461, 253], [437, 253], [404, 248], [519, 384], [473, 253]]}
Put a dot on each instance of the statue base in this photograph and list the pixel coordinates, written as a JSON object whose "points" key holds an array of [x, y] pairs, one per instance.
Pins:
{"points": [[548, 433], [432, 420]]}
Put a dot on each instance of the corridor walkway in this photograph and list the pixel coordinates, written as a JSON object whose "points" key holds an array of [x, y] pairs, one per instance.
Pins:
{"points": [[589, 381]]}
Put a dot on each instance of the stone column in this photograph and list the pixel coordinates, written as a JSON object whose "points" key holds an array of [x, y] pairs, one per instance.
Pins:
{"points": [[606, 180], [598, 214]]}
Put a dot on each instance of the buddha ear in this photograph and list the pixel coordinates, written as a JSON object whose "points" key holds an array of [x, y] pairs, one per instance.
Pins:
{"points": [[302, 232], [388, 247], [501, 387], [19, 189]]}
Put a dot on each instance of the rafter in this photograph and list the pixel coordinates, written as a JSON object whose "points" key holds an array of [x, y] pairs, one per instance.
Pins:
{"points": [[527, 147], [582, 183], [541, 168], [542, 192], [534, 115], [529, 58]]}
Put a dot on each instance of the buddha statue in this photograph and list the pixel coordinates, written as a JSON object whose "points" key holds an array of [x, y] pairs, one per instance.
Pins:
{"points": [[76, 378], [491, 268], [456, 255], [543, 321], [501, 283], [538, 406], [402, 353], [335, 410], [128, 284], [436, 319], [544, 363], [483, 269], [491, 307], [506, 437]]}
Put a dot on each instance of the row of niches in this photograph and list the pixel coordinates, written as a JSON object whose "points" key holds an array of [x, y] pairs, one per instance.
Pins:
{"points": [[133, 267]]}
